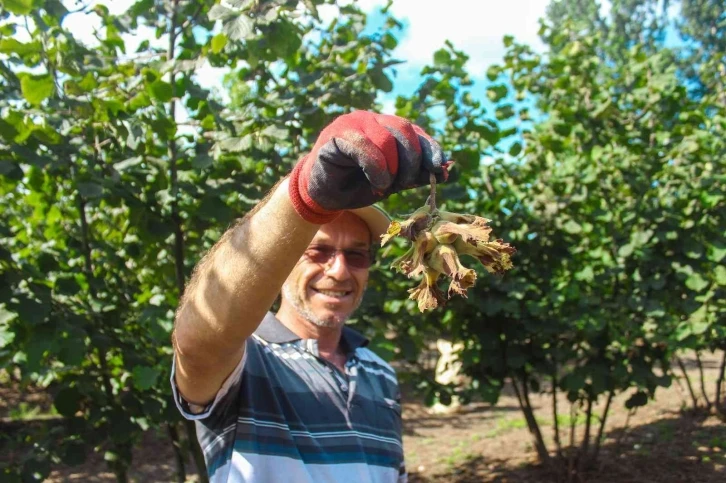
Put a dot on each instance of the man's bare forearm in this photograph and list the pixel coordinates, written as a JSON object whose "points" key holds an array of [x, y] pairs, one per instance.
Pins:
{"points": [[231, 290]]}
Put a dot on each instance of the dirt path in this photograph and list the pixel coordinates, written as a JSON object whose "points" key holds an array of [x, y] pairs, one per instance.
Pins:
{"points": [[483, 443]]}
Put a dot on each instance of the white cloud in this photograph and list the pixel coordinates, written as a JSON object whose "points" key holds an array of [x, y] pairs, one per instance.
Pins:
{"points": [[474, 26]]}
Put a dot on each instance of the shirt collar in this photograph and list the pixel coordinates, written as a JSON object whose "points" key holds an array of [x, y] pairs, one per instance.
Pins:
{"points": [[272, 330]]}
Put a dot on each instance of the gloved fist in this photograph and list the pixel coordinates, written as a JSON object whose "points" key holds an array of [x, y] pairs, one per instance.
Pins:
{"points": [[362, 158]]}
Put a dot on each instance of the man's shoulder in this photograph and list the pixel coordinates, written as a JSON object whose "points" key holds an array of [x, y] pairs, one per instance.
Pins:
{"points": [[368, 357]]}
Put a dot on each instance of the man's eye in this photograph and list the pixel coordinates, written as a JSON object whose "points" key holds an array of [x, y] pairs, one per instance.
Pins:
{"points": [[354, 255], [318, 254]]}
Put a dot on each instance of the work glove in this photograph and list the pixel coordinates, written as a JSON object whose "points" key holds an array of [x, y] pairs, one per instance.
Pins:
{"points": [[362, 158]]}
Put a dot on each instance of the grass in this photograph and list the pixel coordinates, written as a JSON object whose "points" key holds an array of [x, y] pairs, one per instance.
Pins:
{"points": [[564, 420], [458, 456], [25, 411]]}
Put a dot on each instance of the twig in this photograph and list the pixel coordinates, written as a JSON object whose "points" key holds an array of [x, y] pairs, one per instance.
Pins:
{"points": [[432, 193]]}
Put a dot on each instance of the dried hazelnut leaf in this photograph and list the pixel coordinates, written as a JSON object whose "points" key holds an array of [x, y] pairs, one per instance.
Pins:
{"points": [[427, 294], [445, 259], [393, 230]]}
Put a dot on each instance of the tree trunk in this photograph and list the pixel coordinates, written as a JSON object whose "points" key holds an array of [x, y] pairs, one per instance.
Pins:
{"points": [[571, 455], [601, 430], [556, 423], [181, 473], [585, 447], [688, 383], [526, 407], [703, 381], [719, 384]]}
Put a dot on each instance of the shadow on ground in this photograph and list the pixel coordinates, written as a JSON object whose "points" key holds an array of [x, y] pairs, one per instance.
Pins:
{"points": [[459, 419], [684, 448]]}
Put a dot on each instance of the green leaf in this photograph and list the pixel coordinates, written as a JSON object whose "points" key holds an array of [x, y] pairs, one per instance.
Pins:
{"points": [[572, 227], [497, 93], [504, 112], [7, 167], [218, 43], [442, 57], [284, 39], [13, 46], [381, 80], [67, 401], [32, 311], [717, 251], [18, 7], [236, 145], [699, 327], [240, 28], [696, 282], [111, 456], [720, 274], [515, 149], [72, 350], [128, 163], [202, 161], [220, 12], [161, 91], [89, 189], [36, 88], [493, 72], [638, 399], [586, 274], [6, 336], [145, 377]]}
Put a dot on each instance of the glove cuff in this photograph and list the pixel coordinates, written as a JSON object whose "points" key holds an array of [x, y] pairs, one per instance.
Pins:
{"points": [[304, 206]]}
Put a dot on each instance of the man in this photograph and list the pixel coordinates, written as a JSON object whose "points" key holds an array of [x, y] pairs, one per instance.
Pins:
{"points": [[295, 396]]}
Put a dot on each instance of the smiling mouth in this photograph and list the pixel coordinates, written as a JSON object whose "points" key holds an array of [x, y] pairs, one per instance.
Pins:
{"points": [[333, 293]]}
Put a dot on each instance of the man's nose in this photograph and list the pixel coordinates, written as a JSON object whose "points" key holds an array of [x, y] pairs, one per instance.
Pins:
{"points": [[337, 267]]}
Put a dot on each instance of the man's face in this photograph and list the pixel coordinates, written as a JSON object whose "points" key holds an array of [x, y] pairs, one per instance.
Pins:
{"points": [[324, 287]]}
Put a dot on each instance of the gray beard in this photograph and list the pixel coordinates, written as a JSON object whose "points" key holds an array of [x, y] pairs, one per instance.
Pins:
{"points": [[308, 314]]}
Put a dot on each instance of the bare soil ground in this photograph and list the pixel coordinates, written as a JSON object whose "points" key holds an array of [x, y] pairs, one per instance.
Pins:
{"points": [[661, 443]]}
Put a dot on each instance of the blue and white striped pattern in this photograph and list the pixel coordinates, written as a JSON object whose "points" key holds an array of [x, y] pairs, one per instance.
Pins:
{"points": [[287, 415]]}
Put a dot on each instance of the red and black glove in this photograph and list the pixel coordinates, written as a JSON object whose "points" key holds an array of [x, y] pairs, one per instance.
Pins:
{"points": [[362, 158]]}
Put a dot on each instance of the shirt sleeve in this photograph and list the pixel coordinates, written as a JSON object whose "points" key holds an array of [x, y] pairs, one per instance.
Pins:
{"points": [[195, 412]]}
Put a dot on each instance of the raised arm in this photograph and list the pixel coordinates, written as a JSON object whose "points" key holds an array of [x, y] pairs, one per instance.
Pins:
{"points": [[231, 290], [361, 158]]}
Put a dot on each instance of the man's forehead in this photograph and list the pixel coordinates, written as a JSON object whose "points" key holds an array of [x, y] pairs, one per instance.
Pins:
{"points": [[348, 228], [350, 239]]}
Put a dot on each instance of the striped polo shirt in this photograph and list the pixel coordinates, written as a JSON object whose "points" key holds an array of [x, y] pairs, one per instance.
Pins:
{"points": [[285, 414]]}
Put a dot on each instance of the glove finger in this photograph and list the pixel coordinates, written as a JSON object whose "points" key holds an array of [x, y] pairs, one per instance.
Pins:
{"points": [[409, 154], [433, 157], [357, 150], [433, 161], [337, 185]]}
